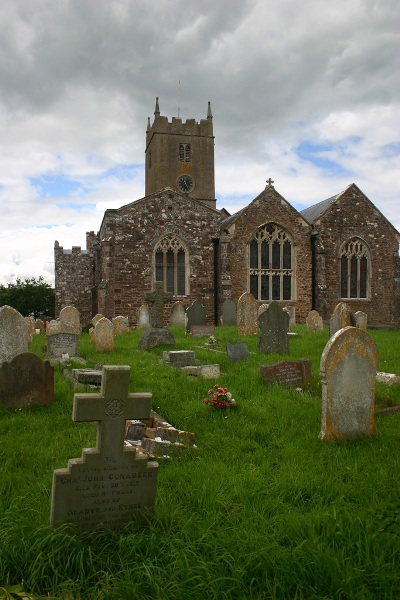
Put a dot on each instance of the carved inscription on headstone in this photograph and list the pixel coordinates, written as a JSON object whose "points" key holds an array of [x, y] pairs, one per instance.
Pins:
{"points": [[110, 483], [62, 343], [296, 372]]}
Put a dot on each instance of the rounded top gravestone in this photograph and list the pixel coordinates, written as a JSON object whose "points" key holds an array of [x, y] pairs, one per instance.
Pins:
{"points": [[14, 338]]}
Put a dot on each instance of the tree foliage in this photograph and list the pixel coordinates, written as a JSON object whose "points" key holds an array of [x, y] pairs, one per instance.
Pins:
{"points": [[31, 297]]}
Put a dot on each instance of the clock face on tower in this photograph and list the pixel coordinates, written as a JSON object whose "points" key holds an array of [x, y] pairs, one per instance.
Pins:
{"points": [[185, 183]]}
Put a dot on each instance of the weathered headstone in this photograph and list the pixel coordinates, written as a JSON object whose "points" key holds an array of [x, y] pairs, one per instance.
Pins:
{"points": [[109, 484], [121, 325], [70, 320], [177, 316], [203, 371], [39, 324], [247, 315], [314, 321], [179, 358], [143, 317], [341, 317], [59, 344], [202, 330], [237, 352], [96, 318], [157, 334], [229, 312], [31, 324], [262, 308], [53, 327], [348, 371], [274, 325], [26, 380], [14, 335], [286, 372], [104, 335], [360, 319], [196, 314]]}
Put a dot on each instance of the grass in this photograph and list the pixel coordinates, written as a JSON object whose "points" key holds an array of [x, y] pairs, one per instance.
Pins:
{"points": [[262, 510]]}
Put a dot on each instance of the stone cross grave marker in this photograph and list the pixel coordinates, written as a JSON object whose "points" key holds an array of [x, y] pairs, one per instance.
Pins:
{"points": [[274, 325], [109, 484], [348, 372], [229, 312], [341, 317], [196, 314], [158, 298], [14, 335], [247, 315]]}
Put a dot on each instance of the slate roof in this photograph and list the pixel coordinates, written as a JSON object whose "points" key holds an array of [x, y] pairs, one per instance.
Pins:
{"points": [[313, 213]]}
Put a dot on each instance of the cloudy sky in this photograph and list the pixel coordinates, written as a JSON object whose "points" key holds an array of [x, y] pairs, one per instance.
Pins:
{"points": [[304, 92]]}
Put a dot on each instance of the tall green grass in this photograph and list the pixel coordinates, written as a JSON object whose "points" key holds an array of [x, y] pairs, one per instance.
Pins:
{"points": [[263, 509]]}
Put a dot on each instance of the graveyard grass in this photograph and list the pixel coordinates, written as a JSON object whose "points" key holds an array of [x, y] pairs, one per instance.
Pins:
{"points": [[262, 509]]}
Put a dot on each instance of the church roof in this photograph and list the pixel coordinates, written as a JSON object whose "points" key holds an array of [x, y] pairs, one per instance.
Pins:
{"points": [[313, 213]]}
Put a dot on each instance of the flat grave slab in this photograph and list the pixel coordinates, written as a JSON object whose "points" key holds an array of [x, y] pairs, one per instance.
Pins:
{"points": [[286, 372]]}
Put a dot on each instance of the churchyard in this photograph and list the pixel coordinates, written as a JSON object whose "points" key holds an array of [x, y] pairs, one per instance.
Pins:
{"points": [[262, 507]]}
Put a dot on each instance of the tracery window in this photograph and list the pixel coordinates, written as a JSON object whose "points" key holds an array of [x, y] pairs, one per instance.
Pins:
{"points": [[171, 265], [355, 265], [185, 153], [271, 269]]}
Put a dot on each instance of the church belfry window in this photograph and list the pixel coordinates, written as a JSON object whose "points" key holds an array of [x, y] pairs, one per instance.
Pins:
{"points": [[271, 270], [185, 153], [171, 265], [355, 265]]}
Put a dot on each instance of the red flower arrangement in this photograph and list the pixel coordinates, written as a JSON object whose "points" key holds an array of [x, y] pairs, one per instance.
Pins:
{"points": [[220, 397]]}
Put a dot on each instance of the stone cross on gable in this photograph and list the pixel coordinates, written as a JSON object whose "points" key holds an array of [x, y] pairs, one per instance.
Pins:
{"points": [[158, 298], [270, 182], [111, 408], [110, 483]]}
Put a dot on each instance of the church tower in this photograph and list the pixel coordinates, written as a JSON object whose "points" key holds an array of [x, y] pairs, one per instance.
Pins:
{"points": [[181, 156]]}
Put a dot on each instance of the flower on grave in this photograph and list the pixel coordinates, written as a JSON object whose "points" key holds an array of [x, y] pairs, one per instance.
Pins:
{"points": [[211, 340], [220, 397]]}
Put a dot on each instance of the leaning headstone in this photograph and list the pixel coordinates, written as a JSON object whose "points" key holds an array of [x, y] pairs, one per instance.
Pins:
{"points": [[247, 315], [157, 334], [121, 325], [177, 316], [274, 325], [341, 317], [287, 372], [314, 321], [14, 335], [143, 317], [104, 335], [237, 352], [70, 320], [348, 371], [26, 380], [196, 314], [62, 344], [31, 324], [229, 312], [109, 484], [96, 318], [360, 319]]}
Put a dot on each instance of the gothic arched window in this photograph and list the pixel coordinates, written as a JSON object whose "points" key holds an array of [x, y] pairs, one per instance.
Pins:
{"points": [[185, 153], [171, 265], [355, 265], [271, 270]]}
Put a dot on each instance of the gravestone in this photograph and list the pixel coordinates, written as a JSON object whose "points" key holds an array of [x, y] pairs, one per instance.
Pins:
{"points": [[262, 309], [203, 371], [26, 380], [196, 314], [109, 484], [274, 325], [14, 335], [247, 315], [237, 352], [59, 344], [39, 324], [103, 335], [70, 320], [53, 326], [179, 358], [314, 321], [360, 319], [341, 317], [31, 325], [286, 372], [143, 317], [228, 312], [96, 318], [157, 334], [121, 325], [202, 330], [348, 371], [177, 316]]}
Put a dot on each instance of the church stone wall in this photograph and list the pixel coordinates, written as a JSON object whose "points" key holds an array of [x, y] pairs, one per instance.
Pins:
{"points": [[269, 207], [74, 280], [128, 239], [352, 214]]}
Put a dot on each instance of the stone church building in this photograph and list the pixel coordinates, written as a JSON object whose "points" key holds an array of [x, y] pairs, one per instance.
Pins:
{"points": [[341, 249]]}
